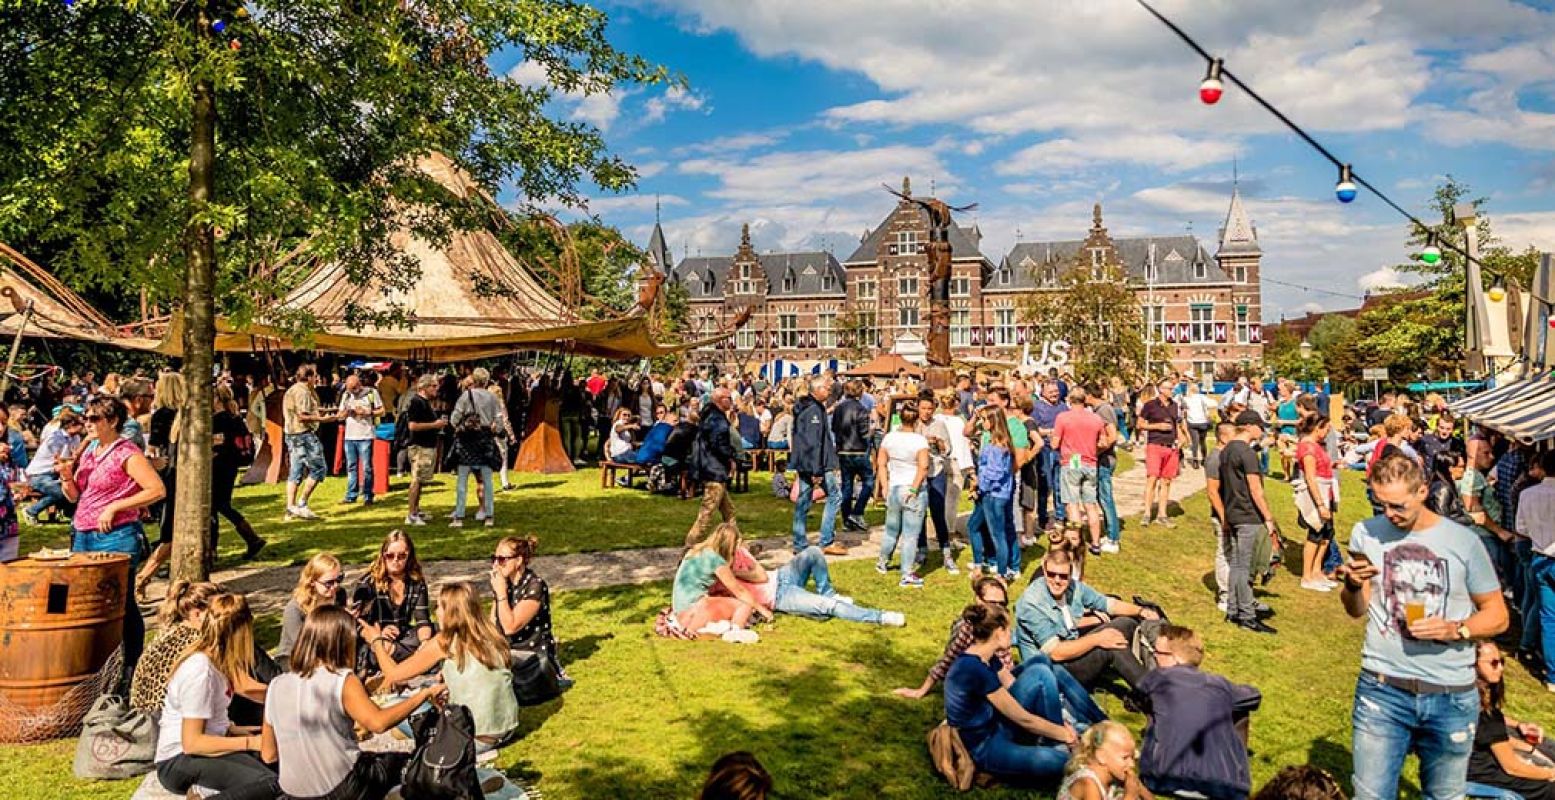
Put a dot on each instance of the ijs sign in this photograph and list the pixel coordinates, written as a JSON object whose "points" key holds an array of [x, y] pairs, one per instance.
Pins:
{"points": [[1055, 353]]}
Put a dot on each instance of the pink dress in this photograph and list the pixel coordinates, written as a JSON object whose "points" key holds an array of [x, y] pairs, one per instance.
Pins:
{"points": [[103, 480]]}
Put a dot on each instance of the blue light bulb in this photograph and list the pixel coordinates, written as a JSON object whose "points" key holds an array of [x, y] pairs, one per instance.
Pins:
{"points": [[218, 26], [1345, 191]]}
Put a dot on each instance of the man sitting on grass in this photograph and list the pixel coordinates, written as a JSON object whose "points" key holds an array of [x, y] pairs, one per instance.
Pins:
{"points": [[1053, 612], [1196, 741]]}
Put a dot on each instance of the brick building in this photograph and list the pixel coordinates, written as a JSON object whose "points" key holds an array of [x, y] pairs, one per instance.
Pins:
{"points": [[1203, 308]]}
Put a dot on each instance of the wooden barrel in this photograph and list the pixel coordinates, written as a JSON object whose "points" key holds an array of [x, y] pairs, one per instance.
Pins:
{"points": [[60, 622]]}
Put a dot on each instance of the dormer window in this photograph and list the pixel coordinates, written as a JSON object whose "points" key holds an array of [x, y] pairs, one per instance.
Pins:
{"points": [[1004, 277], [1097, 256], [707, 284], [828, 282], [788, 281], [1199, 270]]}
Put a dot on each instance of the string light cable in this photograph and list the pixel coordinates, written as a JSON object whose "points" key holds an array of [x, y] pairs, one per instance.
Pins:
{"points": [[1345, 189]]}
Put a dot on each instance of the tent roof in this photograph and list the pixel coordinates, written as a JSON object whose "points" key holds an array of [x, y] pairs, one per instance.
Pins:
{"points": [[472, 299], [57, 312], [1522, 409], [886, 365]]}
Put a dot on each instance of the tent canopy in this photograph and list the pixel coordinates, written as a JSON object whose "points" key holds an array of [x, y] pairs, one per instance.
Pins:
{"points": [[1524, 409], [473, 299], [886, 365], [57, 312]]}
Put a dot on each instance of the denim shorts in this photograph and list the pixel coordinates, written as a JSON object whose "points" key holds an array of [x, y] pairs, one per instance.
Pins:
{"points": [[307, 456], [1079, 484], [129, 539]]}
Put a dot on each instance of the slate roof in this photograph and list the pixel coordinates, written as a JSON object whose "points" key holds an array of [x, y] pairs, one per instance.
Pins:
{"points": [[963, 241], [659, 250], [1237, 235], [1175, 257], [807, 269]]}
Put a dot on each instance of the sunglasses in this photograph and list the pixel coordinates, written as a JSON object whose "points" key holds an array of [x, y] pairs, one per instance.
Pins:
{"points": [[92, 417], [1397, 508], [329, 582], [1495, 662], [396, 556], [502, 559], [1057, 576]]}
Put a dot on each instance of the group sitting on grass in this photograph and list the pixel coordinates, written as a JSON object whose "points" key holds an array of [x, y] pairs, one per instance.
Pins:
{"points": [[235, 722]]}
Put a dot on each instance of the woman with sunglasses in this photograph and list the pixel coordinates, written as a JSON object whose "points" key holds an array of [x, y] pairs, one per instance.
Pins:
{"points": [[317, 585], [110, 485], [1038, 683], [393, 595], [1508, 754], [523, 610]]}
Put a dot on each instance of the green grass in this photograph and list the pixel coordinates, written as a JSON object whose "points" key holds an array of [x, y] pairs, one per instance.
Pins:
{"points": [[812, 700]]}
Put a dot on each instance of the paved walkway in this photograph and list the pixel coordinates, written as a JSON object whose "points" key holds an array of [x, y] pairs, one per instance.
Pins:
{"points": [[267, 588]]}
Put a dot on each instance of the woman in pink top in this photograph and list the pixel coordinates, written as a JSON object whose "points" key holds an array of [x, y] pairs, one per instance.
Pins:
{"points": [[1317, 473], [110, 486]]}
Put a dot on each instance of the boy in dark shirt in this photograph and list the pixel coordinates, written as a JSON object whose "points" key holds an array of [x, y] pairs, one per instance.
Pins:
{"points": [[1246, 517]]}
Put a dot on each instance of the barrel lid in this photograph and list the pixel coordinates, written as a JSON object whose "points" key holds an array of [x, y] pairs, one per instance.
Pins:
{"points": [[75, 560]]}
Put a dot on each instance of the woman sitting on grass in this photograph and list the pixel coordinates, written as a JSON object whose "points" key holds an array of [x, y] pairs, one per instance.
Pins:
{"points": [[1102, 764], [1037, 684], [197, 744], [393, 596], [311, 714], [317, 585], [707, 563], [471, 655], [994, 726], [179, 620], [1507, 754], [523, 611]]}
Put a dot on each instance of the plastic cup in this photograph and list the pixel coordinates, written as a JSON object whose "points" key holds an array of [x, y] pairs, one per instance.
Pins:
{"points": [[1414, 611]]}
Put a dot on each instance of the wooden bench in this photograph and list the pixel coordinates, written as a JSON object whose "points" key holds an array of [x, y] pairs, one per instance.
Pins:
{"points": [[610, 470], [739, 481]]}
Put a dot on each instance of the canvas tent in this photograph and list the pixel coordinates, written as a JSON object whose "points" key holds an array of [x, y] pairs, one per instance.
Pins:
{"points": [[473, 300], [1523, 409], [57, 312], [886, 365]]}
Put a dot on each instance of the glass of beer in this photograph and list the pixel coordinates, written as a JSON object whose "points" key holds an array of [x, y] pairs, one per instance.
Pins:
{"points": [[1414, 610]]}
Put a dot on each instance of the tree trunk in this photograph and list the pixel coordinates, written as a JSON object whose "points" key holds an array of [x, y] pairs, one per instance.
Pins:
{"points": [[191, 525]]}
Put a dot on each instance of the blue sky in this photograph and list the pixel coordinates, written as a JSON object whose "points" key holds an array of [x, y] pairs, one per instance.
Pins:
{"points": [[797, 111]]}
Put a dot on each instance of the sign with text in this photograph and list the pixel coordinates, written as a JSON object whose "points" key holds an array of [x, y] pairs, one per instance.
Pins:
{"points": [[1374, 374]]}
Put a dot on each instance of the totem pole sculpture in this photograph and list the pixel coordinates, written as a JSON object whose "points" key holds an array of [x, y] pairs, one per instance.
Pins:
{"points": [[939, 374]]}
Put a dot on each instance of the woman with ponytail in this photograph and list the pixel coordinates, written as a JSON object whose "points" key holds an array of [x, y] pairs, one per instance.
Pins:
{"points": [[178, 621], [993, 725], [197, 744], [1103, 767]]}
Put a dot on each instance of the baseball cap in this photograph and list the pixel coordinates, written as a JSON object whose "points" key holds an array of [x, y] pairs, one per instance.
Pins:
{"points": [[1249, 418]]}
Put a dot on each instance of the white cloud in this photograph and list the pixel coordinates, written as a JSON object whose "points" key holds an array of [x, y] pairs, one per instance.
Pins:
{"points": [[1520, 229], [648, 169], [830, 174], [675, 97], [629, 203], [1384, 278], [1164, 150], [733, 143], [599, 110]]}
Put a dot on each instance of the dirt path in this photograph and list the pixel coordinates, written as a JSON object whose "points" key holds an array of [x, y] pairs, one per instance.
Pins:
{"points": [[267, 588]]}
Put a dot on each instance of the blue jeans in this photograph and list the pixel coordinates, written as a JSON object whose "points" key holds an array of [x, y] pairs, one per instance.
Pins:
{"points": [[856, 466], [791, 596], [1048, 690], [1001, 754], [990, 514], [1048, 483], [935, 487], [1390, 722], [307, 457], [49, 493], [1109, 507], [1542, 572], [1012, 537], [359, 457], [460, 487], [833, 482], [1525, 592], [903, 522]]}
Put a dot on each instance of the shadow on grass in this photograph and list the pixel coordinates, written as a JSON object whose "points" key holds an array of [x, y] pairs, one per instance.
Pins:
{"points": [[576, 651]]}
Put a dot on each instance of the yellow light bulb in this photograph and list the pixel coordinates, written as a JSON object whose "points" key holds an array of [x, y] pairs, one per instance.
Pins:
{"points": [[1496, 294]]}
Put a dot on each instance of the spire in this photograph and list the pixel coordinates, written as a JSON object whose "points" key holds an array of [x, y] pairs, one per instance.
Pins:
{"points": [[906, 186], [1096, 217], [656, 219], [658, 249], [1238, 235]]}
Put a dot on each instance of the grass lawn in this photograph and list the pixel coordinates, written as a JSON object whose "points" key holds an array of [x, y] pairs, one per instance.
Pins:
{"points": [[812, 700]]}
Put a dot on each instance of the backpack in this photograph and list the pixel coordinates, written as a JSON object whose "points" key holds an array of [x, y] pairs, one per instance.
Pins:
{"points": [[443, 765], [950, 757], [401, 431]]}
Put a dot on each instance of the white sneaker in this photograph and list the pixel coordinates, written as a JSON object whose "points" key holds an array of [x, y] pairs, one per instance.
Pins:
{"points": [[456, 522], [413, 519], [491, 523], [717, 628], [842, 598], [1221, 604], [1109, 546], [291, 513], [893, 619], [305, 512], [1316, 586], [480, 515], [742, 636]]}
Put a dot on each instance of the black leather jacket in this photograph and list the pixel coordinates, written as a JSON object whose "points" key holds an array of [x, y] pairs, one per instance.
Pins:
{"points": [[850, 426]]}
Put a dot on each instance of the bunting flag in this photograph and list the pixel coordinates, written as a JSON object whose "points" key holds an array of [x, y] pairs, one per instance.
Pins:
{"points": [[988, 335], [1169, 334], [1020, 335], [1184, 332]]}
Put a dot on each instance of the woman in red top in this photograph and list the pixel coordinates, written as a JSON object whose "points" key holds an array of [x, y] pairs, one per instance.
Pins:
{"points": [[1317, 472]]}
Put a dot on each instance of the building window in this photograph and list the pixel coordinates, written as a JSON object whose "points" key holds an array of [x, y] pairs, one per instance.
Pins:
{"points": [[745, 339], [907, 286], [1004, 276], [960, 327], [1151, 272], [1241, 273], [868, 289], [1244, 331], [907, 315], [1201, 323], [906, 242], [826, 328], [788, 330], [1204, 371], [1155, 321], [868, 329], [961, 287], [1004, 326], [1097, 257], [828, 282], [1199, 270], [788, 281]]}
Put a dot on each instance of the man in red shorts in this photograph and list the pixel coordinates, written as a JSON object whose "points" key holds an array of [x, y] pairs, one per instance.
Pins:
{"points": [[1161, 420]]}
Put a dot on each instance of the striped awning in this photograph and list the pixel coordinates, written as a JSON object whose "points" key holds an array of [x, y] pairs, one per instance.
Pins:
{"points": [[1524, 409]]}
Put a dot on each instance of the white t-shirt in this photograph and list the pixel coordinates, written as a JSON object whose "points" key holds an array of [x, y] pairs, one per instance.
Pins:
{"points": [[313, 733], [902, 449], [1196, 407], [960, 447], [359, 428], [620, 440], [197, 691]]}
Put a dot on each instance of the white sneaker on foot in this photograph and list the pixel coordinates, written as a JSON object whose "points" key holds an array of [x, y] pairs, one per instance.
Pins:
{"points": [[1109, 546], [456, 522], [893, 619], [1221, 604], [414, 519], [1316, 586], [305, 512], [742, 636]]}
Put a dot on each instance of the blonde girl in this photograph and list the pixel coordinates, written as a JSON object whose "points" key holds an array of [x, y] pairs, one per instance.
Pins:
{"points": [[706, 564], [318, 584]]}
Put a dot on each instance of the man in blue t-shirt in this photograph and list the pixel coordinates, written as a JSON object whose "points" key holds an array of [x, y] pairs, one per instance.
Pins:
{"points": [[1427, 590], [1055, 608]]}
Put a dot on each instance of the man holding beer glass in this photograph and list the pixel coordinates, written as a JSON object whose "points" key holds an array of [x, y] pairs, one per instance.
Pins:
{"points": [[1427, 590]]}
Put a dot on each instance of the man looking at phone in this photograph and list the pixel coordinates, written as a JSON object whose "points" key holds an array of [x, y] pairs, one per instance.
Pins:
{"points": [[1427, 590]]}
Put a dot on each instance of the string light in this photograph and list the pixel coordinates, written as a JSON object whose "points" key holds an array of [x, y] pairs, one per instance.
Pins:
{"points": [[1345, 188], [1431, 254], [1211, 89], [235, 44], [1497, 291], [218, 26]]}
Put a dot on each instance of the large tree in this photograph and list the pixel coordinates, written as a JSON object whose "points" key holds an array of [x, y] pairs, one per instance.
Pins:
{"points": [[207, 151], [1094, 310]]}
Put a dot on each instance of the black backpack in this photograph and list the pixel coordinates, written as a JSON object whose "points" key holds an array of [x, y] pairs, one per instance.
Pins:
{"points": [[443, 766], [402, 431]]}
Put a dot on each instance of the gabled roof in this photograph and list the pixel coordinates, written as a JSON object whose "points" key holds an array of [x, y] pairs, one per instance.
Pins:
{"points": [[659, 251], [703, 276], [963, 241], [1238, 236], [1175, 257]]}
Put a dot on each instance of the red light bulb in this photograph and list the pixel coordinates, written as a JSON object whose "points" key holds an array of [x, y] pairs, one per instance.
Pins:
{"points": [[1210, 91]]}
